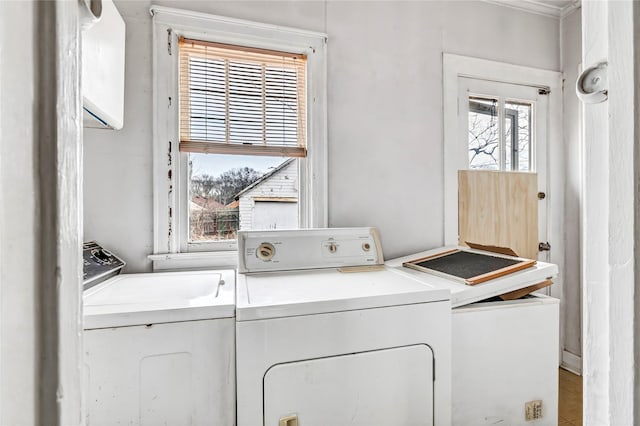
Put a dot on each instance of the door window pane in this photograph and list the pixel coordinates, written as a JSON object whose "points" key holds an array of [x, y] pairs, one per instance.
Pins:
{"points": [[484, 141], [499, 132], [517, 136]]}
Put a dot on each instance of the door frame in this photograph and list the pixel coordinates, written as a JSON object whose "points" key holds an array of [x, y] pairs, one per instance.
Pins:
{"points": [[455, 66], [539, 145]]}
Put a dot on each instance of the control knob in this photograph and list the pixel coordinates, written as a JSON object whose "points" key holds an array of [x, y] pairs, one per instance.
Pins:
{"points": [[265, 251]]}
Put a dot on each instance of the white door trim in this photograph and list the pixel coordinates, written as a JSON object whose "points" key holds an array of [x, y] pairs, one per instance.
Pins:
{"points": [[455, 66], [610, 218], [539, 134]]}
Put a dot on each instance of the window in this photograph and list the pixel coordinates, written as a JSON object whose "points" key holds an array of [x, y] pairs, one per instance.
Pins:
{"points": [[492, 149], [240, 130], [243, 123]]}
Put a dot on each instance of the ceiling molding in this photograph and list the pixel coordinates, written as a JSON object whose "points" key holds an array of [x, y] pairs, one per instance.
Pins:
{"points": [[567, 10], [554, 9]]}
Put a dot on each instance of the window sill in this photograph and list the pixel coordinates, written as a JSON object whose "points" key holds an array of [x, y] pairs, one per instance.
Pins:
{"points": [[194, 261]]}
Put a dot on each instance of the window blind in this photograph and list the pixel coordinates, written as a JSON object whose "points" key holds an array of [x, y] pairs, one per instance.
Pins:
{"points": [[241, 100]]}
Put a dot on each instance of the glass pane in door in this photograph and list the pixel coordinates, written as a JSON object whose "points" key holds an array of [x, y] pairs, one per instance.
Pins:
{"points": [[517, 127], [484, 141]]}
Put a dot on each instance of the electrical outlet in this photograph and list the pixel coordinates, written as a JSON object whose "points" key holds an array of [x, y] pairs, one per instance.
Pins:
{"points": [[533, 410]]}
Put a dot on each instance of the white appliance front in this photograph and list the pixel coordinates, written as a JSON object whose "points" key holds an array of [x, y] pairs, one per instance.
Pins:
{"points": [[504, 353], [343, 389], [347, 367], [173, 373], [160, 349], [324, 346]]}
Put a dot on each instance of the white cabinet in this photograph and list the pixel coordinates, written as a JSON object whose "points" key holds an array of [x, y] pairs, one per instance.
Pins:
{"points": [[103, 52]]}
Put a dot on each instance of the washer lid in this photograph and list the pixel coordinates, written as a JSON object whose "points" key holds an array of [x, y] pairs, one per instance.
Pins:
{"points": [[463, 294], [140, 299], [293, 293]]}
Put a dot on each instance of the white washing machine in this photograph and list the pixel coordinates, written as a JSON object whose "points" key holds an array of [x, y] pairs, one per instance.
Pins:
{"points": [[326, 335], [160, 349], [505, 354]]}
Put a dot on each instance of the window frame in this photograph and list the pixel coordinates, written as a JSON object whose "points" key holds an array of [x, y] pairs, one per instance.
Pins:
{"points": [[170, 242]]}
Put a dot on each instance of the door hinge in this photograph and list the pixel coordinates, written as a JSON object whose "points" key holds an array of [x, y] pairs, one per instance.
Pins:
{"points": [[544, 91], [169, 39], [544, 246]]}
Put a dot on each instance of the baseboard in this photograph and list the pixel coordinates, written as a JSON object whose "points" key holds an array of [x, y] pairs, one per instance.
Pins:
{"points": [[571, 362]]}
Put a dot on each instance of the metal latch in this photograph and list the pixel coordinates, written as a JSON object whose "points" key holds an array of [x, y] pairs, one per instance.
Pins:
{"points": [[544, 246], [289, 420]]}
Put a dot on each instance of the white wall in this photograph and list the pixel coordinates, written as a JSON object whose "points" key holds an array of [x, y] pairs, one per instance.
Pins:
{"points": [[571, 299], [40, 214], [384, 111], [18, 218]]}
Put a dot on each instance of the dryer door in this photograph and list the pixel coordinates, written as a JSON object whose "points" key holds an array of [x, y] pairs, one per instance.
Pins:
{"points": [[382, 387]]}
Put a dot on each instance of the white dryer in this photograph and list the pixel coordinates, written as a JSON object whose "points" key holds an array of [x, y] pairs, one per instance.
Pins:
{"points": [[326, 335], [504, 353]]}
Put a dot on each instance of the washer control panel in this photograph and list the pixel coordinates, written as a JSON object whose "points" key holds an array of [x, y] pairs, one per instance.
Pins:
{"points": [[287, 250], [99, 264]]}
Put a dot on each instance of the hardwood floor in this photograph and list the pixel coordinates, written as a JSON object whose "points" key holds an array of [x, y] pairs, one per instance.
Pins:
{"points": [[570, 399]]}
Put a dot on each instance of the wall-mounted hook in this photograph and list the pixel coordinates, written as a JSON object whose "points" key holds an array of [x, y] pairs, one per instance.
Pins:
{"points": [[591, 86]]}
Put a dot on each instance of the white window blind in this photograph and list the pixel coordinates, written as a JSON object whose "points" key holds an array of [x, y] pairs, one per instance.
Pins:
{"points": [[241, 100]]}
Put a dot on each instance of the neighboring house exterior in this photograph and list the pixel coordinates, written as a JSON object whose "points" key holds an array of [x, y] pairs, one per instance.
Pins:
{"points": [[271, 202]]}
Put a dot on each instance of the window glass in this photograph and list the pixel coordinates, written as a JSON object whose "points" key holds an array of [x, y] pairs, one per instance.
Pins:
{"points": [[486, 149], [484, 143], [517, 136], [232, 192]]}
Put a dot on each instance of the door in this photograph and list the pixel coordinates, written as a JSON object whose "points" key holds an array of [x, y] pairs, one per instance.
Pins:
{"points": [[504, 128], [275, 215], [381, 387], [499, 209]]}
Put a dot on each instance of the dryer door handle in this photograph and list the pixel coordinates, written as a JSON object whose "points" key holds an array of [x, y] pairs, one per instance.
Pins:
{"points": [[291, 420]]}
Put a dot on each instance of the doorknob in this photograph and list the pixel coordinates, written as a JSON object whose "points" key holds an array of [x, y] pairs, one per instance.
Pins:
{"points": [[289, 420], [544, 246]]}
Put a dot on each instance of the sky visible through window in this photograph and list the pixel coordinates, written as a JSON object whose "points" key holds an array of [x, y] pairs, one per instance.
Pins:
{"points": [[215, 164]]}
